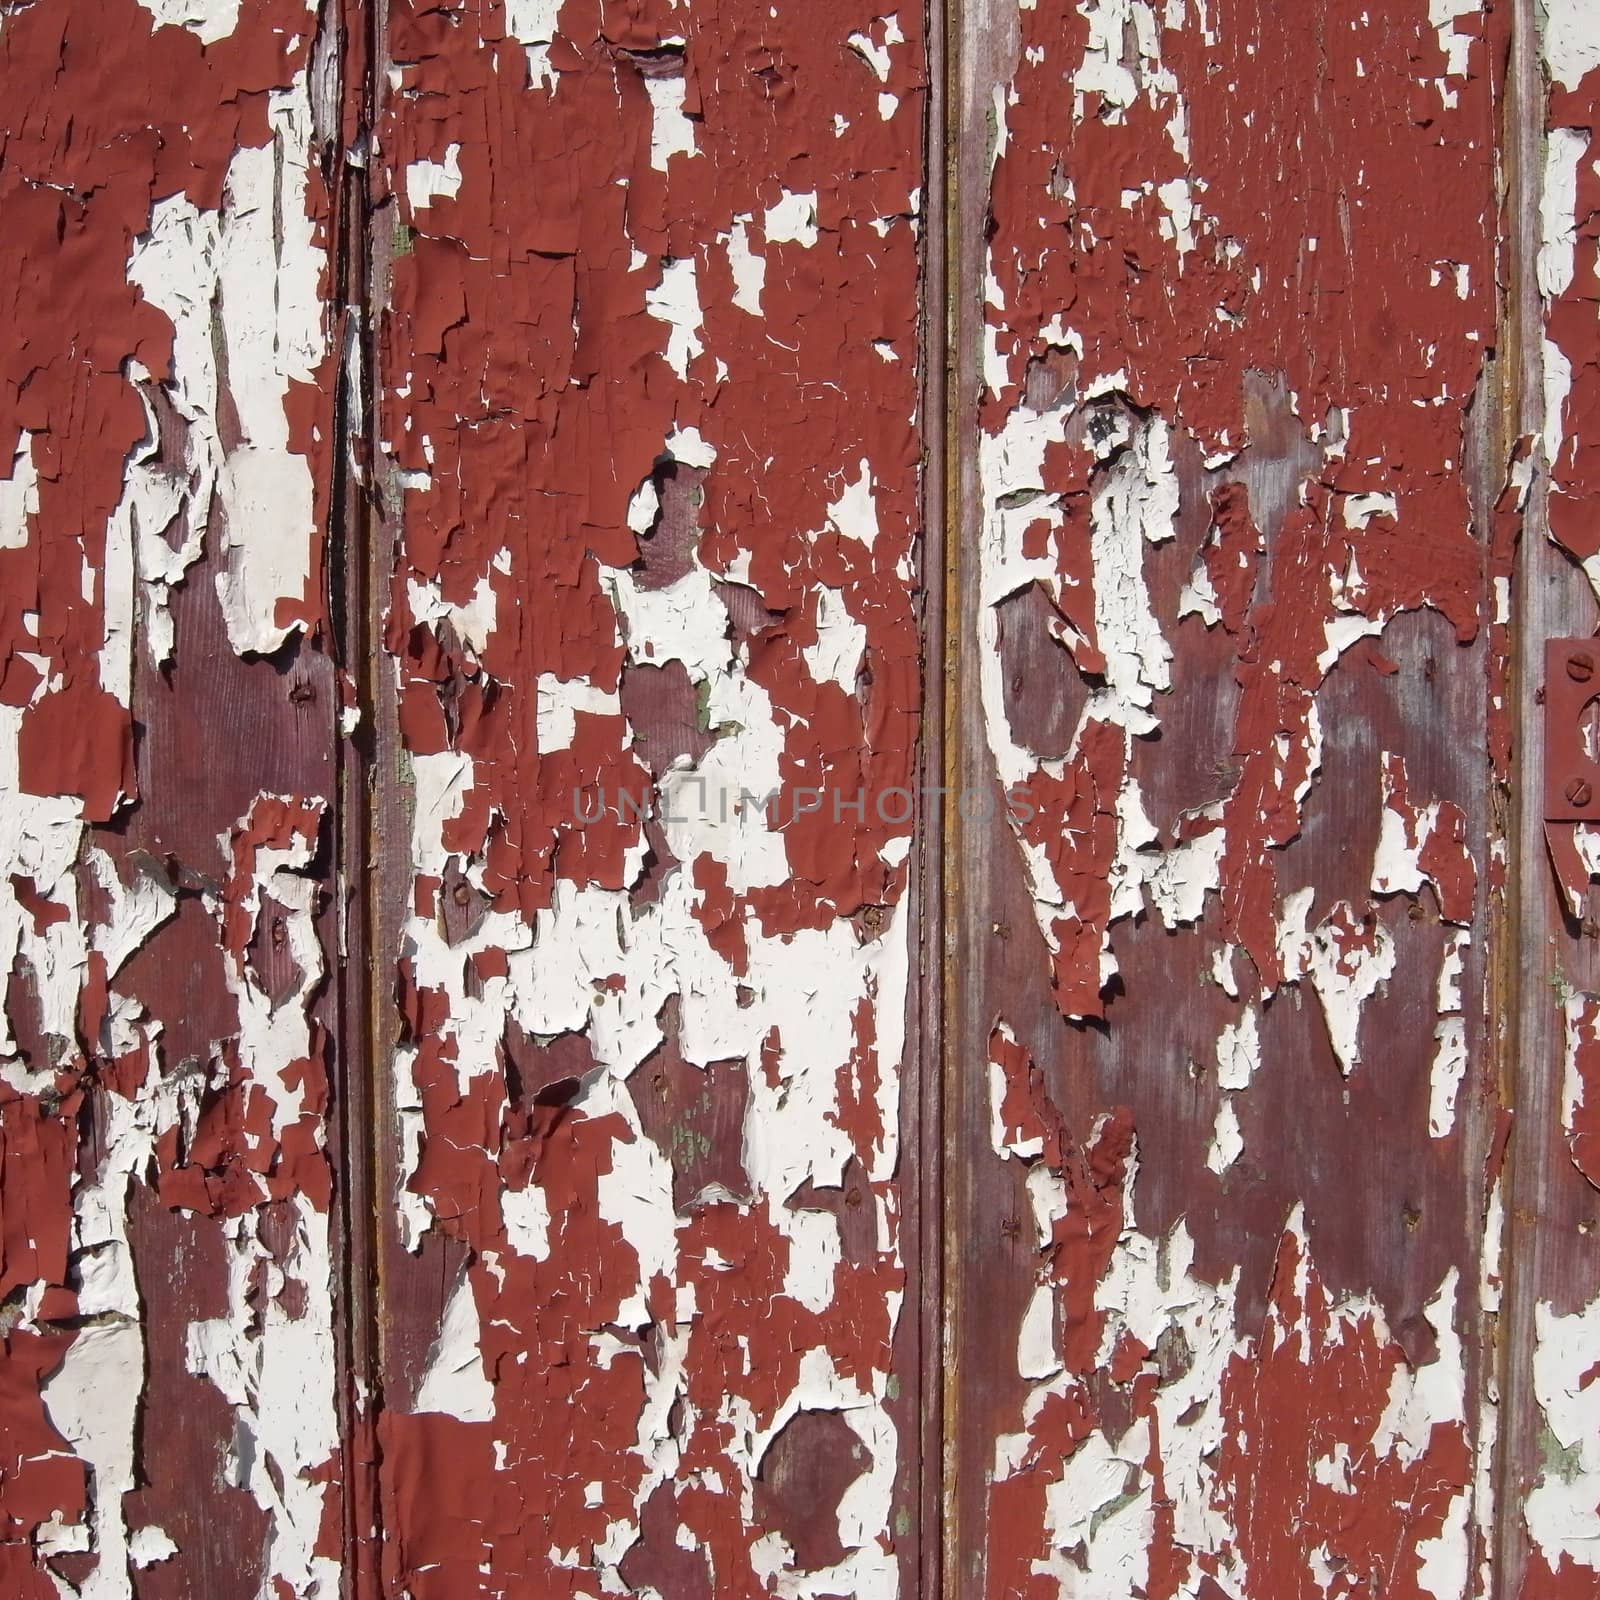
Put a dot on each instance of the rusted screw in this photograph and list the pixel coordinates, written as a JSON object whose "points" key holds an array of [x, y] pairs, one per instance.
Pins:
{"points": [[461, 894], [1580, 666], [302, 692], [1578, 792]]}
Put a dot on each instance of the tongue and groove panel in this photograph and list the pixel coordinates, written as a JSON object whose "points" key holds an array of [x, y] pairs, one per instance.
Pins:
{"points": [[1550, 1508], [1234, 563], [169, 1399], [771, 823], [647, 414]]}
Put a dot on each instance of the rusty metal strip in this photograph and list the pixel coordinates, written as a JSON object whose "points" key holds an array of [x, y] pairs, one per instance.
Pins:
{"points": [[1571, 777]]}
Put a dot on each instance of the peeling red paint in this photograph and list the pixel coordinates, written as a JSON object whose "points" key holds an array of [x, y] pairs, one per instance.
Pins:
{"points": [[157, 178], [1152, 245], [1167, 1466], [1240, 310], [1581, 1115], [1570, 252], [1551, 1531], [606, 487], [649, 381]]}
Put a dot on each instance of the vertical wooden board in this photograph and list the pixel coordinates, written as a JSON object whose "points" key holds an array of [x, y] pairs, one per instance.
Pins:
{"points": [[167, 760], [1550, 1524], [1223, 1110], [648, 394]]}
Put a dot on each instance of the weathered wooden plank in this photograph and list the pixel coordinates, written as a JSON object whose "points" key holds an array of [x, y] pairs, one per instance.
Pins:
{"points": [[648, 390], [169, 713], [1226, 1110], [583, 1162], [1550, 1499]]}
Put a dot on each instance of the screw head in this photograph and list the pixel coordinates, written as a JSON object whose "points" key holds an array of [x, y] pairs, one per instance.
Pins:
{"points": [[1578, 792], [1580, 666]]}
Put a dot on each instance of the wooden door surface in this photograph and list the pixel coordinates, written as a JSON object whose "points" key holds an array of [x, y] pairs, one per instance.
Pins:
{"points": [[799, 799]]}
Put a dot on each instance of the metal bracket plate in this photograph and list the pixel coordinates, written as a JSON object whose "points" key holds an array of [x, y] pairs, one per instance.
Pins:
{"points": [[1571, 773]]}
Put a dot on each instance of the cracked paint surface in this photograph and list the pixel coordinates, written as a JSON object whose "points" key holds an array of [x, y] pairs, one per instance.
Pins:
{"points": [[1185, 1492], [166, 1266], [1556, 1471], [648, 402], [1237, 586], [645, 532]]}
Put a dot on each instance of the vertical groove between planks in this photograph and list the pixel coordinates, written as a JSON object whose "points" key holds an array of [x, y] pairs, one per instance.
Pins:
{"points": [[951, 42], [1531, 957], [354, 573], [940, 453], [1509, 965]]}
